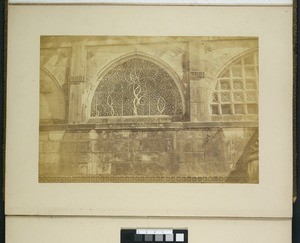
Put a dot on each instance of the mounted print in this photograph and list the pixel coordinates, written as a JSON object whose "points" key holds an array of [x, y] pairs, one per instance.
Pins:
{"points": [[149, 109]]}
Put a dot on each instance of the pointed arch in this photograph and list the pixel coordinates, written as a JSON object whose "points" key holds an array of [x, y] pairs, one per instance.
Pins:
{"points": [[235, 59], [236, 87], [137, 85]]}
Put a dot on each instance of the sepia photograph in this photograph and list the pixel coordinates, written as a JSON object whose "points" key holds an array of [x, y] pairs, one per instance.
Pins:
{"points": [[149, 109]]}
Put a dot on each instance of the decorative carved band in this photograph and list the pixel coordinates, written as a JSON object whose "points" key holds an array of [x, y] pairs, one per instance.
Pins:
{"points": [[76, 79], [145, 179], [196, 74]]}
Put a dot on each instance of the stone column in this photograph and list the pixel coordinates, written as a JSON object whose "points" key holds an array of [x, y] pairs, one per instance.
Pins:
{"points": [[199, 96], [77, 83]]}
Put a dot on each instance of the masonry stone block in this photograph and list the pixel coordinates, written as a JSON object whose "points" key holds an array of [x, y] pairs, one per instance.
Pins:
{"points": [[95, 157], [98, 146], [107, 157], [93, 134], [76, 135], [125, 168], [44, 136], [117, 145], [134, 145], [194, 110], [121, 157], [75, 146], [81, 169], [56, 135], [198, 144], [188, 145], [49, 158], [149, 145], [74, 158], [165, 145], [145, 157], [98, 168], [50, 147], [194, 157], [49, 168]]}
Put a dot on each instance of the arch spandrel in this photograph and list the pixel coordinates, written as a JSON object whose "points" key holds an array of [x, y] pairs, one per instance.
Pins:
{"points": [[52, 97]]}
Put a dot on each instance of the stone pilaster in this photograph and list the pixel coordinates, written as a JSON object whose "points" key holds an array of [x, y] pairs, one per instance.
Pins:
{"points": [[77, 83], [198, 87]]}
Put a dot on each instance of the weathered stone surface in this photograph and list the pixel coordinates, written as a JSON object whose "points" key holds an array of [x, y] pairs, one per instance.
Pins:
{"points": [[98, 146], [121, 157], [134, 145], [74, 158], [191, 152], [93, 134], [76, 136], [146, 157], [125, 168], [98, 168], [75, 146], [198, 145], [49, 169], [44, 136], [56, 135], [95, 157], [192, 157], [49, 147], [195, 152], [108, 157], [117, 145], [187, 145], [49, 158]]}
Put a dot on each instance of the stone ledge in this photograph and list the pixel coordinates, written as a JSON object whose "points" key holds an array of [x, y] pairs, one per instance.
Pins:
{"points": [[148, 126]]}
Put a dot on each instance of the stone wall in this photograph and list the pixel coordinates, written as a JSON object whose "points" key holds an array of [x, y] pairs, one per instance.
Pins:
{"points": [[77, 140], [193, 152], [77, 64]]}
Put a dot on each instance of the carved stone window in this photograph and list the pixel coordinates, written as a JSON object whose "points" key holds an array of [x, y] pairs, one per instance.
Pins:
{"points": [[236, 92], [137, 88]]}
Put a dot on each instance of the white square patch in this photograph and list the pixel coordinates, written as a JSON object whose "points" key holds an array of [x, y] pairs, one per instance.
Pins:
{"points": [[179, 237]]}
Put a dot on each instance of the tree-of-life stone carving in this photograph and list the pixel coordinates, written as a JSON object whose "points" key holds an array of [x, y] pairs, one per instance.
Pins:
{"points": [[137, 87], [134, 81]]}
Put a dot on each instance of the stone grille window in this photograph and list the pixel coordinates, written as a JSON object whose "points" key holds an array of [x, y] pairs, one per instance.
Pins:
{"points": [[137, 88], [236, 92]]}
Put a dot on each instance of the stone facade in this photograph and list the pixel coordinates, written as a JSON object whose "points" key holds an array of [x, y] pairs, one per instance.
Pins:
{"points": [[148, 109]]}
